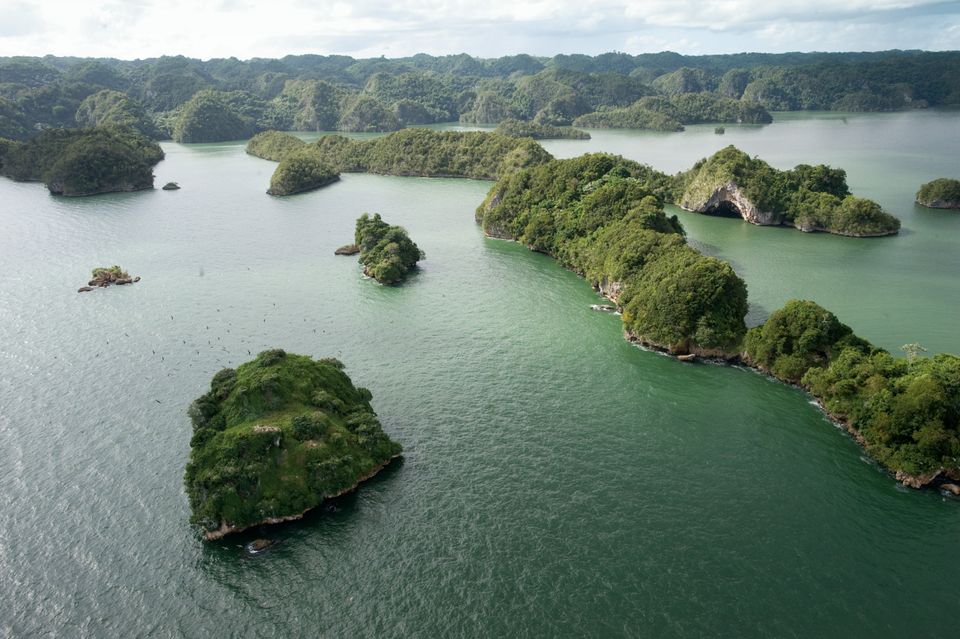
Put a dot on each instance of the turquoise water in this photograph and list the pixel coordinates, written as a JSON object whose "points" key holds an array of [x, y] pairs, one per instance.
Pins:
{"points": [[557, 481]]}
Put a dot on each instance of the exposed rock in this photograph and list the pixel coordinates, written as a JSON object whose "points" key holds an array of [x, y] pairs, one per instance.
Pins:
{"points": [[171, 186], [347, 249], [689, 357], [917, 481], [258, 545], [951, 488], [606, 308], [730, 198], [84, 289], [104, 277]]}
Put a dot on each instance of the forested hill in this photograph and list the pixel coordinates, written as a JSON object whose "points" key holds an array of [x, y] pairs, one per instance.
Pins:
{"points": [[193, 100]]}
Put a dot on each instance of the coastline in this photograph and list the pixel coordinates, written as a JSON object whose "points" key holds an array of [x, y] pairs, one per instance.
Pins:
{"points": [[227, 529]]}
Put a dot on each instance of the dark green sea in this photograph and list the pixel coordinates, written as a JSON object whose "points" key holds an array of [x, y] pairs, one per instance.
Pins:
{"points": [[557, 481]]}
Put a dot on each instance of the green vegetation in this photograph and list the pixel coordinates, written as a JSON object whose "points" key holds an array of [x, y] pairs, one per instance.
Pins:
{"points": [[209, 117], [274, 145], [105, 276], [942, 193], [275, 437], [113, 108], [811, 198], [669, 113], [632, 117], [301, 170], [518, 129], [906, 412], [323, 93], [83, 161], [602, 216], [367, 114], [386, 252], [425, 153]]}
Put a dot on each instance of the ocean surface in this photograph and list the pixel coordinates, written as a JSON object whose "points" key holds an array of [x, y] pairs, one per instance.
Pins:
{"points": [[556, 482]]}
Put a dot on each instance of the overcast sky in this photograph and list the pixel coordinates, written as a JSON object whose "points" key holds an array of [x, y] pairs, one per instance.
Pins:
{"points": [[365, 28]]}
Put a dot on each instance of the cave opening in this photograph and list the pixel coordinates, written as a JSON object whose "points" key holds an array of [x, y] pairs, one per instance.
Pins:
{"points": [[725, 209]]}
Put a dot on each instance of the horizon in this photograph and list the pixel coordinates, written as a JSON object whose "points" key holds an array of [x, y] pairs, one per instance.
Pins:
{"points": [[146, 29], [478, 57]]}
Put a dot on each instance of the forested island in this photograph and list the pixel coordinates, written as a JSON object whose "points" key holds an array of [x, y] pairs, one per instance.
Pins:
{"points": [[77, 162], [522, 129], [413, 152], [192, 100], [810, 198], [275, 438], [602, 217], [671, 112], [942, 193], [386, 252]]}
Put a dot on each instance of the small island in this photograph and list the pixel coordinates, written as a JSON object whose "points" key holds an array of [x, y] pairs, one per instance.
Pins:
{"points": [[386, 252], [103, 277], [810, 198], [521, 129], [80, 162], [300, 171], [942, 193], [171, 186], [275, 438]]}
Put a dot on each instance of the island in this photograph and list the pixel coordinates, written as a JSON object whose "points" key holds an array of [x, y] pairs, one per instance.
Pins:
{"points": [[942, 193], [300, 171], [274, 145], [212, 116], [275, 438], [104, 276], [671, 112], [810, 198], [520, 129], [602, 217], [171, 186], [386, 252], [79, 162]]}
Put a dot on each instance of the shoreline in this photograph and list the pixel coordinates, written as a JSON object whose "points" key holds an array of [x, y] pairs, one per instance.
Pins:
{"points": [[724, 358], [227, 529]]}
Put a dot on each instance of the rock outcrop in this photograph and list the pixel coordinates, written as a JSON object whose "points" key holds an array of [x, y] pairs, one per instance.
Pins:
{"points": [[729, 199]]}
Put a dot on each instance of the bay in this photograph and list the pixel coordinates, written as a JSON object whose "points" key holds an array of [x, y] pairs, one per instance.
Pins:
{"points": [[556, 482]]}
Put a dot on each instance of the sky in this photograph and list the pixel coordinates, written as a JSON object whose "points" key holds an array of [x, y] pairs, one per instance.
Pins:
{"points": [[131, 29]]}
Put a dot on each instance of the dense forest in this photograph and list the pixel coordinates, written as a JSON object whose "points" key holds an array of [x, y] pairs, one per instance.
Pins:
{"points": [[602, 217], [192, 100], [275, 437], [89, 161]]}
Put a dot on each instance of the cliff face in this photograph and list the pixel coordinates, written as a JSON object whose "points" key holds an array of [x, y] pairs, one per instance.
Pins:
{"points": [[731, 198]]}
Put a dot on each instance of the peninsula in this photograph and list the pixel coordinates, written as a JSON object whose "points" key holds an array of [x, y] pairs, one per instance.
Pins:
{"points": [[275, 438], [602, 217]]}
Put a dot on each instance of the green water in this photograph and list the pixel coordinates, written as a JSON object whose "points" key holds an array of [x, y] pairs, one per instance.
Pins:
{"points": [[557, 481]]}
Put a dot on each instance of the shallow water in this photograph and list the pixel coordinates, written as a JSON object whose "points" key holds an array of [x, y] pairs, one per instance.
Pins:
{"points": [[557, 481]]}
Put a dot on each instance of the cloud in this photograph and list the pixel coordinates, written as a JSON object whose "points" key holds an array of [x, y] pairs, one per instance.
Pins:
{"points": [[18, 19], [246, 29]]}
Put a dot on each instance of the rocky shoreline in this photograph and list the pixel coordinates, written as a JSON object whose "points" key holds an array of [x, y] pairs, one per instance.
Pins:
{"points": [[940, 479], [227, 529]]}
